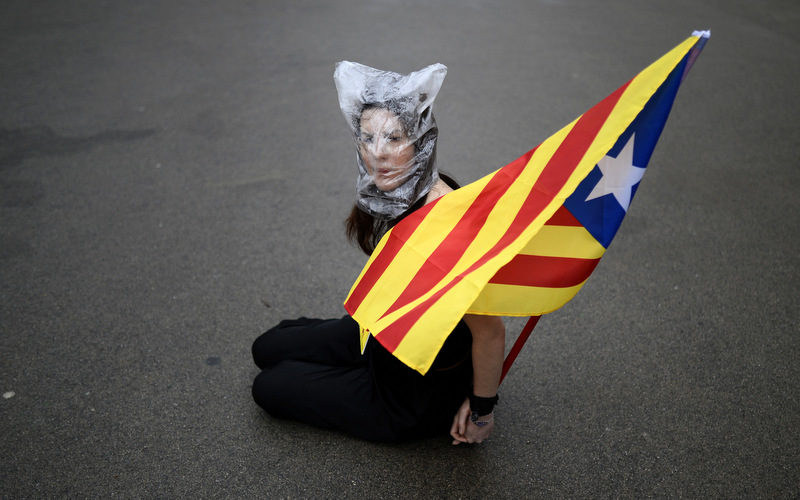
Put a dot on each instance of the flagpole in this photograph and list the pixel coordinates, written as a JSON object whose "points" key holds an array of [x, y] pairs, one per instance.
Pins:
{"points": [[517, 347]]}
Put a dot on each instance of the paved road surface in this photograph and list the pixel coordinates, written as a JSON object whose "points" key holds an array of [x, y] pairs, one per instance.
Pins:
{"points": [[166, 168]]}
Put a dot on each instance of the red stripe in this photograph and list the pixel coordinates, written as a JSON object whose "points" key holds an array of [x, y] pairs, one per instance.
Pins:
{"points": [[537, 270], [555, 174], [397, 238], [450, 250], [563, 217]]}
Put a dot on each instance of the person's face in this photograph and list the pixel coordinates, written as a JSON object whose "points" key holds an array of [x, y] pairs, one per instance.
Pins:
{"points": [[385, 149]]}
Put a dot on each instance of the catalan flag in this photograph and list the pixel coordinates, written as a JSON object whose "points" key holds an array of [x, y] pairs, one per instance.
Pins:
{"points": [[524, 239]]}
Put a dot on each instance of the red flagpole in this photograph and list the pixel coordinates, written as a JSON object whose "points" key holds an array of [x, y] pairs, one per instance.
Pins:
{"points": [[517, 347]]}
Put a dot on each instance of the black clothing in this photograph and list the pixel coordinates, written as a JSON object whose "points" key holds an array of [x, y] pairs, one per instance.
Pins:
{"points": [[313, 372]]}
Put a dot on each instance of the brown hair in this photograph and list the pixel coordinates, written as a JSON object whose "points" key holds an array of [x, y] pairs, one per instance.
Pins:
{"points": [[366, 231]]}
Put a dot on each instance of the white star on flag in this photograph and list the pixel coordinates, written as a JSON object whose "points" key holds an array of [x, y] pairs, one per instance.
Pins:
{"points": [[619, 176]]}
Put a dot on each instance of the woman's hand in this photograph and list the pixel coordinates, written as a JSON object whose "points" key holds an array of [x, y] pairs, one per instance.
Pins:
{"points": [[464, 431]]}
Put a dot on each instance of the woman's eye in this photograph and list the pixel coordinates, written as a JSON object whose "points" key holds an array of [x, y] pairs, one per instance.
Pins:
{"points": [[366, 139]]}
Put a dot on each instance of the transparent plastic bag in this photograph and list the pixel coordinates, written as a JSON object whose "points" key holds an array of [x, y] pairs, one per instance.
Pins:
{"points": [[391, 117]]}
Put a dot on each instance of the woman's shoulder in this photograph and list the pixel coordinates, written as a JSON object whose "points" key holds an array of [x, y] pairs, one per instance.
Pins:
{"points": [[437, 191]]}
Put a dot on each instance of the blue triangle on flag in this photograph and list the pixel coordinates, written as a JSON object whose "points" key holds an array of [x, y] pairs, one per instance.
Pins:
{"points": [[603, 215]]}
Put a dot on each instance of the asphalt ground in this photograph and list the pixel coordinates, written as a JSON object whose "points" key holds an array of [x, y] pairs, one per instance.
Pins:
{"points": [[173, 180]]}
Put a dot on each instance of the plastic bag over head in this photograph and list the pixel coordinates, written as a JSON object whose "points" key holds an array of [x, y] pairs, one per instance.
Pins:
{"points": [[391, 118]]}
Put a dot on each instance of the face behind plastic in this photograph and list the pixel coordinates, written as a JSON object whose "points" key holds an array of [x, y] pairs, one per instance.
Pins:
{"points": [[385, 148]]}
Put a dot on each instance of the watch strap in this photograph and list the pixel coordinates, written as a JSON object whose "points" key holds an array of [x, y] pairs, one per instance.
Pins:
{"points": [[481, 405]]}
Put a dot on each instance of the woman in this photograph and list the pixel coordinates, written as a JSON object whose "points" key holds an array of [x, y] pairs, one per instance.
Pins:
{"points": [[313, 370]]}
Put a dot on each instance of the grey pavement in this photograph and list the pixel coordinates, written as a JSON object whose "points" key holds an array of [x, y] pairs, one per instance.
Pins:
{"points": [[173, 180]]}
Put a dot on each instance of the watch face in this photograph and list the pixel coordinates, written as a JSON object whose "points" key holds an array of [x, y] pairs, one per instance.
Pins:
{"points": [[474, 418]]}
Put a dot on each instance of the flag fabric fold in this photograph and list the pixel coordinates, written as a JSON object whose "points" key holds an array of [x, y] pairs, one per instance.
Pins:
{"points": [[524, 239]]}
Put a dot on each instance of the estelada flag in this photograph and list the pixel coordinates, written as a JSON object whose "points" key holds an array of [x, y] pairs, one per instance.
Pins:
{"points": [[522, 240]]}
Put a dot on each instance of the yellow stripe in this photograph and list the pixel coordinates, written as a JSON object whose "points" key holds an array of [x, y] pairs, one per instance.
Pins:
{"points": [[564, 241], [514, 300]]}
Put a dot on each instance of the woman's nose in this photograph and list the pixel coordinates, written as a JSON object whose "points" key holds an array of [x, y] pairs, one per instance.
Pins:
{"points": [[380, 149]]}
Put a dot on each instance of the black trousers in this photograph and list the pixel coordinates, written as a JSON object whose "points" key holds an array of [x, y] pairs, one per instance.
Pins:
{"points": [[312, 371]]}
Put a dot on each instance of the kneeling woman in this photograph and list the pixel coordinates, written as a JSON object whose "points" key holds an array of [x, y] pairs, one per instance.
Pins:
{"points": [[313, 370]]}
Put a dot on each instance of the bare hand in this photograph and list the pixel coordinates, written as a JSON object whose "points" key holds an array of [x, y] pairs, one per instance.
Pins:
{"points": [[464, 431]]}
